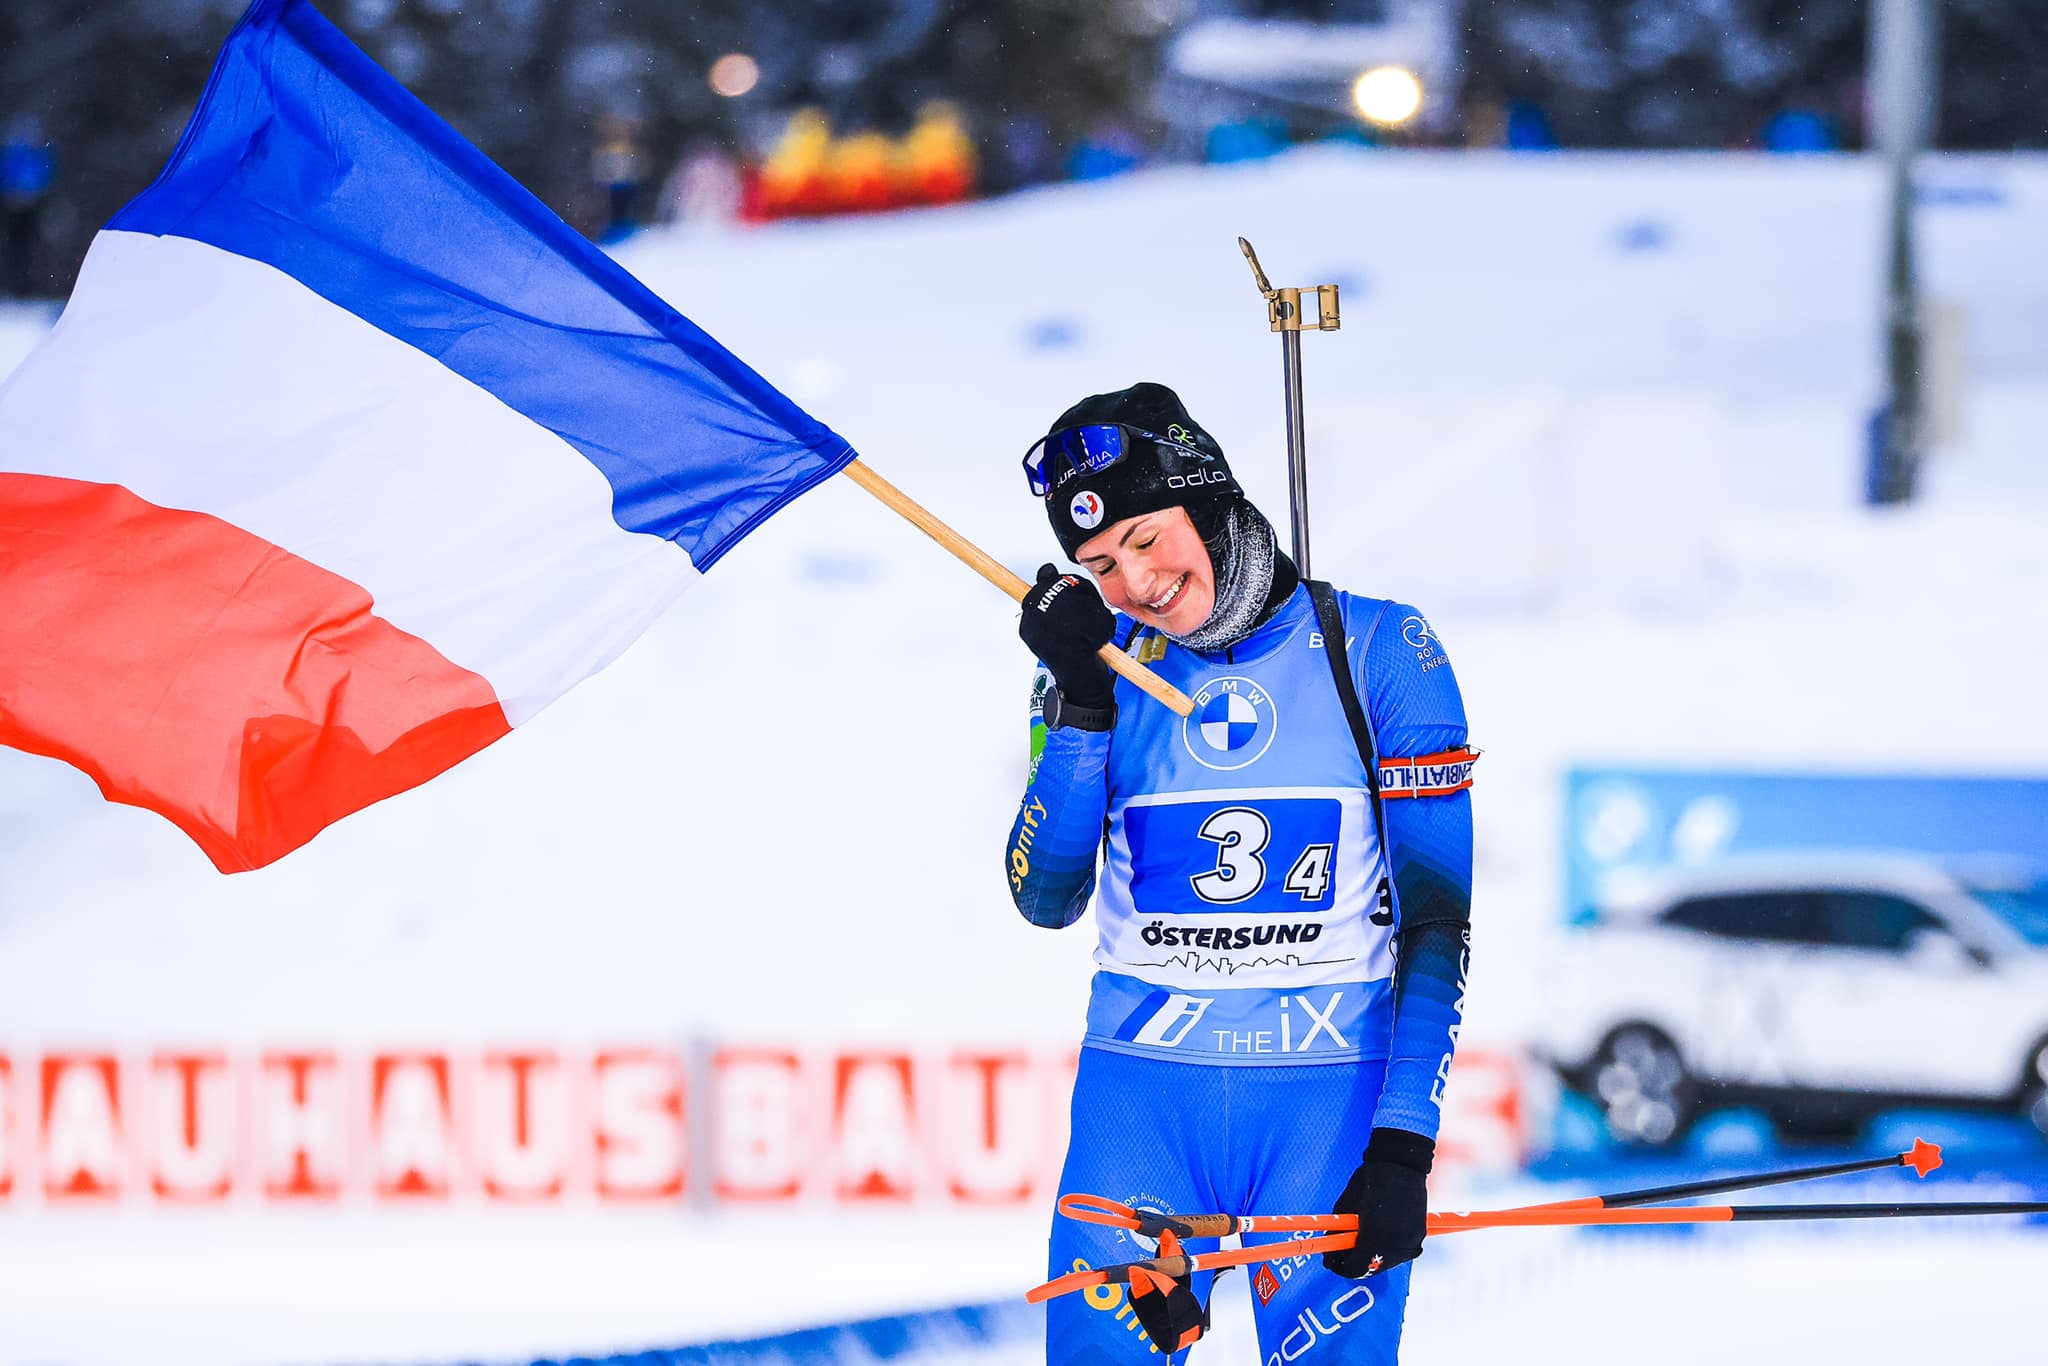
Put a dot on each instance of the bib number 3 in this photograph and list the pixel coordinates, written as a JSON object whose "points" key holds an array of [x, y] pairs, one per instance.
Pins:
{"points": [[1240, 834]]}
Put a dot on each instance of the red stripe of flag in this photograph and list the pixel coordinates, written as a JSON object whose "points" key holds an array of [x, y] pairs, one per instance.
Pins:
{"points": [[142, 644]]}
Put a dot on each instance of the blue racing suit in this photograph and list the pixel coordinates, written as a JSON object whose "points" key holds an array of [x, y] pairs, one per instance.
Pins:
{"points": [[1275, 979]]}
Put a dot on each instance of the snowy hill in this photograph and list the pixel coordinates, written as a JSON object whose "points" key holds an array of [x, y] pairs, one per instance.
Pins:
{"points": [[1599, 416], [1620, 478]]}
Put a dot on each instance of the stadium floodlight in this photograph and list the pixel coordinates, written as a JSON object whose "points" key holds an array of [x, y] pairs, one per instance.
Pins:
{"points": [[734, 74], [1388, 95]]}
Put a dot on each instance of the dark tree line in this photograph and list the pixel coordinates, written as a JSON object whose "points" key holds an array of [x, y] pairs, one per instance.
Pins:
{"points": [[111, 82], [1710, 73]]}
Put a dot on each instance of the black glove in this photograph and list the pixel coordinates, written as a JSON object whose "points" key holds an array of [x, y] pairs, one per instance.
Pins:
{"points": [[1167, 1310], [1390, 1195], [1065, 623]]}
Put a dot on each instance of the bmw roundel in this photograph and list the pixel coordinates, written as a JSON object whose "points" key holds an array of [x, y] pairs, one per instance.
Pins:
{"points": [[1232, 723]]}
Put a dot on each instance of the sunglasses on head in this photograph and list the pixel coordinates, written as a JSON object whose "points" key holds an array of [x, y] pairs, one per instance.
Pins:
{"points": [[1071, 451]]}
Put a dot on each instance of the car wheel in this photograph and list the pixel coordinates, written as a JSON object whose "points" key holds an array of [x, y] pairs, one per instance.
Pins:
{"points": [[2034, 1089], [1639, 1078]]}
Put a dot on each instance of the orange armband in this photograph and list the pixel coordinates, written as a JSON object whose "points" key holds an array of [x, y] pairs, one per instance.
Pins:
{"points": [[1428, 775]]}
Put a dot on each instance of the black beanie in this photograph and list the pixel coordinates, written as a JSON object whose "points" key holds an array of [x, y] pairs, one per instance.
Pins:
{"points": [[1186, 469]]}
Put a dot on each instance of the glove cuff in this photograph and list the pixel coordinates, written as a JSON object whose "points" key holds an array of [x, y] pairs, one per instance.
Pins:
{"points": [[1402, 1148], [1063, 709]]}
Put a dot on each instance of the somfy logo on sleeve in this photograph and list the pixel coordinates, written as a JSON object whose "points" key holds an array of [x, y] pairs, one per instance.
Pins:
{"points": [[1232, 723]]}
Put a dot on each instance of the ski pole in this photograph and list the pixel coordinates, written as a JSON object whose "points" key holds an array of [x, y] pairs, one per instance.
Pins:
{"points": [[1094, 1209], [1536, 1216], [1923, 1157], [1617, 1208], [1188, 1263], [1539, 1216]]}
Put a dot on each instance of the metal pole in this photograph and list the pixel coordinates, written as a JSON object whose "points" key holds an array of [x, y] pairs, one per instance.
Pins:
{"points": [[1902, 84], [1297, 448], [1902, 426], [1284, 315]]}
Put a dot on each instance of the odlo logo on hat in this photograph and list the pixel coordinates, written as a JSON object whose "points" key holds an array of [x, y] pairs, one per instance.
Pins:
{"points": [[1086, 510]]}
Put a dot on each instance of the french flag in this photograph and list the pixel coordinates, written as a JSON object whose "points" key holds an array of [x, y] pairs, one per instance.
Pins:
{"points": [[346, 457]]}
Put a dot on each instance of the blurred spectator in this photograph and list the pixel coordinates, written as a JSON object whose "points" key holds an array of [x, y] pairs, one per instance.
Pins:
{"points": [[703, 188], [1849, 113], [1109, 149], [809, 171], [792, 179], [1528, 128], [1250, 138], [615, 168], [936, 163], [27, 168], [1486, 122], [1023, 154], [1799, 127], [858, 175]]}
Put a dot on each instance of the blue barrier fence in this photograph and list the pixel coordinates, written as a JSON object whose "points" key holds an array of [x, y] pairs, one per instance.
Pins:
{"points": [[961, 1330]]}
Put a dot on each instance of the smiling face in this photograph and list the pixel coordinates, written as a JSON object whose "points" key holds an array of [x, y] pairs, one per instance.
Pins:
{"points": [[1155, 569]]}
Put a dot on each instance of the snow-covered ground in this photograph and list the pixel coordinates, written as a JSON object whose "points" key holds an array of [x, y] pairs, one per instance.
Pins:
{"points": [[1895, 1297], [1600, 416]]}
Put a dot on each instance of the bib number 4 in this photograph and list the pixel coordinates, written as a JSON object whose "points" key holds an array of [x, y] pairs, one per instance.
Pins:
{"points": [[1309, 878], [1240, 834]]}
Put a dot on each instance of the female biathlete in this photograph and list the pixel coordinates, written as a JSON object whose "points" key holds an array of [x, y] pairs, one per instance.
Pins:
{"points": [[1281, 881]]}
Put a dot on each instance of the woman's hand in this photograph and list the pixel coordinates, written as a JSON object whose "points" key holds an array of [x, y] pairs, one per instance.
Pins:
{"points": [[1064, 624], [1168, 1310], [1390, 1195]]}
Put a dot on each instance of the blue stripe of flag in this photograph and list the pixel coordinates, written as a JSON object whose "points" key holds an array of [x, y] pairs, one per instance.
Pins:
{"points": [[307, 156]]}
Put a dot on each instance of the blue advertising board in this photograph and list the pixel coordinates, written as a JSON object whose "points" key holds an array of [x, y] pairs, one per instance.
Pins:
{"points": [[1751, 961], [1621, 819]]}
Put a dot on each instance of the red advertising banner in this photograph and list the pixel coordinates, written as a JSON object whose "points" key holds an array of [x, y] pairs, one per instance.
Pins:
{"points": [[301, 1126], [639, 1133], [524, 1125], [84, 1144], [428, 1126], [191, 1107], [8, 1141]]}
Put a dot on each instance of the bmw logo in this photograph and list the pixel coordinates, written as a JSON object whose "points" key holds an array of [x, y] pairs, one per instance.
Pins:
{"points": [[1232, 723], [1086, 510]]}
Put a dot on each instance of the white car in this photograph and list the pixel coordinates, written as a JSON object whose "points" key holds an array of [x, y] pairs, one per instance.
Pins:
{"points": [[1822, 990]]}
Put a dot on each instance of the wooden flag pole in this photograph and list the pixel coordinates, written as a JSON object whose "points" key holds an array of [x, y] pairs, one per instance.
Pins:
{"points": [[1001, 577]]}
